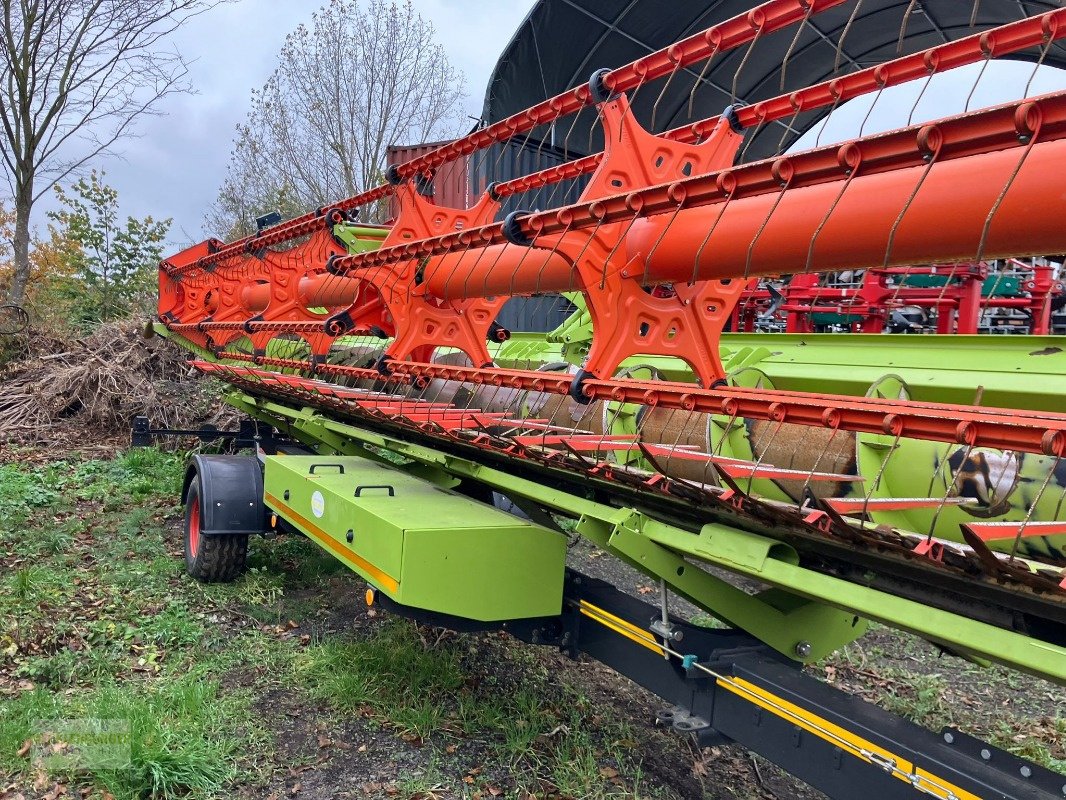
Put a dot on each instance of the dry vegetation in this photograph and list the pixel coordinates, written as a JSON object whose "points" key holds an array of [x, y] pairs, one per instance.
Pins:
{"points": [[90, 388]]}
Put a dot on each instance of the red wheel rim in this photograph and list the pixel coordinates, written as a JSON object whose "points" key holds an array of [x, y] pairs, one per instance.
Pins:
{"points": [[194, 525]]}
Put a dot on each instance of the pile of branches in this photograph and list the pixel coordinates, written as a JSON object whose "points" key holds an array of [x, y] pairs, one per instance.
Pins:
{"points": [[89, 389]]}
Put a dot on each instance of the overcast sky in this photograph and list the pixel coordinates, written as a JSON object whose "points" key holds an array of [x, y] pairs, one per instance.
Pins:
{"points": [[176, 164], [174, 167]]}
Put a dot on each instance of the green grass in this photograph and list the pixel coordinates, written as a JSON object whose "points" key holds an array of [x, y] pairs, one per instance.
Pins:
{"points": [[926, 700], [907, 676], [544, 731], [182, 742], [922, 699], [97, 621], [21, 494], [391, 672]]}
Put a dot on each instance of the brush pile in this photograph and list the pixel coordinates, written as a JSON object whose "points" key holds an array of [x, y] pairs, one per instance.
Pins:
{"points": [[88, 390]]}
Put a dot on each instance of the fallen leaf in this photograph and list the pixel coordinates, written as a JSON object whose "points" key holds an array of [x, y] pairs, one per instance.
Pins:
{"points": [[554, 731], [26, 747]]}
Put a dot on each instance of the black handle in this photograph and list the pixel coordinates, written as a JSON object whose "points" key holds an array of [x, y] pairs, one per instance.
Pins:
{"points": [[316, 466], [389, 489]]}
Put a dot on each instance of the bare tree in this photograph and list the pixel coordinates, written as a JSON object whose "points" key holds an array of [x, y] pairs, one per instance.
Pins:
{"points": [[361, 77], [76, 75]]}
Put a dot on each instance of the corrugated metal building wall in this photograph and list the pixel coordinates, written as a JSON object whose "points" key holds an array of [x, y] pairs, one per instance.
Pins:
{"points": [[523, 156], [459, 183], [451, 184]]}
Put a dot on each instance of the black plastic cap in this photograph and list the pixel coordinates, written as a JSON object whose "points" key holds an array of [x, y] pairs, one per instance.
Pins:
{"points": [[598, 88], [334, 216], [267, 221], [730, 115], [511, 230], [339, 324], [498, 333], [577, 387]]}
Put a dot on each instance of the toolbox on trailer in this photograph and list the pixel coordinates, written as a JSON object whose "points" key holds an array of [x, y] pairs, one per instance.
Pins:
{"points": [[424, 546]]}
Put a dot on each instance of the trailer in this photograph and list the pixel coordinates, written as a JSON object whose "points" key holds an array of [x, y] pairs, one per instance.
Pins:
{"points": [[430, 551]]}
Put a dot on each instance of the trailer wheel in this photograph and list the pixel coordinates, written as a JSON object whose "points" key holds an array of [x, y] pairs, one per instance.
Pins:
{"points": [[218, 558]]}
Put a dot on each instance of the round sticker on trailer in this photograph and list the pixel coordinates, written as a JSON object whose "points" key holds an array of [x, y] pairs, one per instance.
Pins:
{"points": [[318, 504]]}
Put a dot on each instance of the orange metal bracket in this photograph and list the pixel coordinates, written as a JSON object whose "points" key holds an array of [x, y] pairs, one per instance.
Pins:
{"points": [[628, 317], [419, 321], [257, 294]]}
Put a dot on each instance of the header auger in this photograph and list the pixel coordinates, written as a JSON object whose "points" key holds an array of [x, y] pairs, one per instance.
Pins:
{"points": [[916, 481]]}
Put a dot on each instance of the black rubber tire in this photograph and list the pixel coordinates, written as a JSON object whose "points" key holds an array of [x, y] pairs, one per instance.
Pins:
{"points": [[210, 559]]}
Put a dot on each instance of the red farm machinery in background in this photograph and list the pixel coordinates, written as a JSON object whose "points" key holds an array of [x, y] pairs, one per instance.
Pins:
{"points": [[1009, 296]]}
